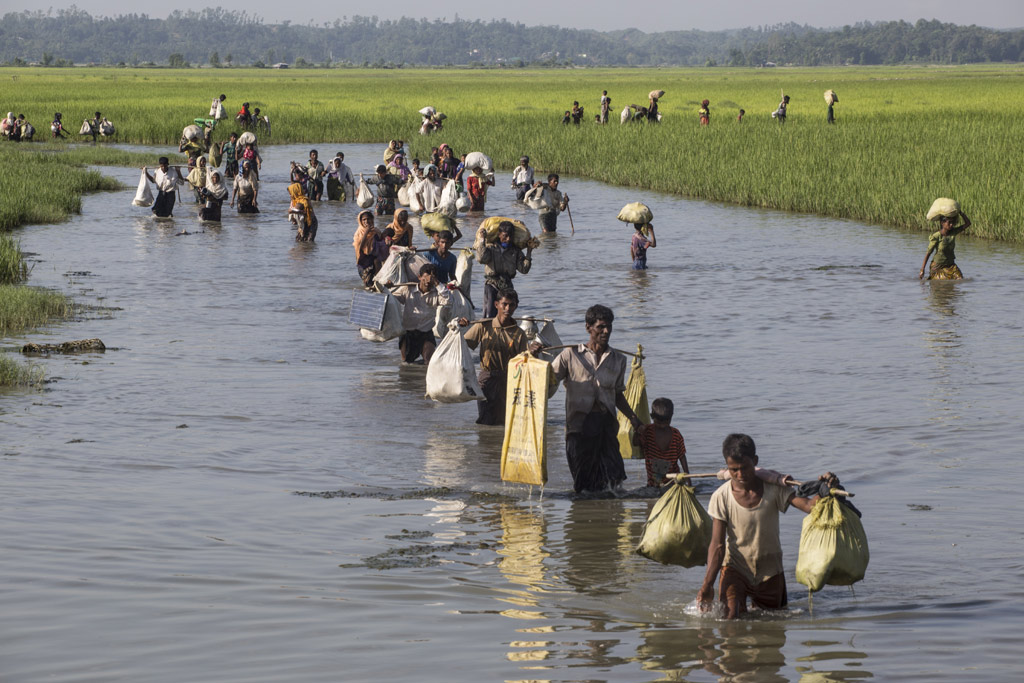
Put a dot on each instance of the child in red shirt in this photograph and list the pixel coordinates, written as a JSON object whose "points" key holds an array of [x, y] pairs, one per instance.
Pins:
{"points": [[662, 444]]}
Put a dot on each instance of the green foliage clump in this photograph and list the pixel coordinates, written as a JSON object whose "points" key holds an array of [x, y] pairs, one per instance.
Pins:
{"points": [[12, 264], [24, 308], [16, 374]]}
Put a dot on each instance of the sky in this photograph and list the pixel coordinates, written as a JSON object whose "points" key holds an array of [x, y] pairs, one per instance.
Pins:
{"points": [[602, 15]]}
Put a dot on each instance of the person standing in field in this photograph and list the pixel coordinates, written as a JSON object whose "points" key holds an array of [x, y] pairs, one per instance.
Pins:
{"points": [[522, 177], [57, 126], [780, 113], [595, 379], [549, 201], [830, 116], [705, 113], [943, 244], [606, 103], [166, 184], [740, 117]]}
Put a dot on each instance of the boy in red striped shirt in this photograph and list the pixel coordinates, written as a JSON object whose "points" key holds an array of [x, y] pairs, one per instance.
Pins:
{"points": [[662, 444]]}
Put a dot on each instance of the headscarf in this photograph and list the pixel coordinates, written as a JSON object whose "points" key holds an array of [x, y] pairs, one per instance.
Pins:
{"points": [[299, 201], [217, 189], [362, 241], [398, 163], [390, 152], [400, 230]]}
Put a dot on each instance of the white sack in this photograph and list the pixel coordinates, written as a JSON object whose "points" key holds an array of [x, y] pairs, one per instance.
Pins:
{"points": [[428, 111], [392, 326], [86, 128], [451, 375], [364, 198], [460, 307], [462, 203], [144, 196], [464, 270], [624, 116], [415, 205], [403, 195], [474, 159]]}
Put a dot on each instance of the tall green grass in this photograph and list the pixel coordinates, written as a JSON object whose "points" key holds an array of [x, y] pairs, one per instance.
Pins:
{"points": [[904, 135], [13, 268], [14, 373], [24, 308]]}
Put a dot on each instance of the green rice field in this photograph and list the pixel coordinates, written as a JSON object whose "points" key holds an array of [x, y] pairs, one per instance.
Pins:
{"points": [[903, 136]]}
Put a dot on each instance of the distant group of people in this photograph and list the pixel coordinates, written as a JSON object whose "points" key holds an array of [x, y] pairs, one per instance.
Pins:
{"points": [[19, 129]]}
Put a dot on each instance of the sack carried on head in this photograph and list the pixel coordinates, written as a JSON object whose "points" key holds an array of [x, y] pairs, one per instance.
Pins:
{"points": [[831, 97], [520, 236], [436, 222], [635, 212], [656, 94], [481, 160], [943, 207]]}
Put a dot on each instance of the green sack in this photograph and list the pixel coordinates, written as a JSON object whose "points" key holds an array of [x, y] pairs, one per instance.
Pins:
{"points": [[678, 530], [436, 222], [833, 547]]}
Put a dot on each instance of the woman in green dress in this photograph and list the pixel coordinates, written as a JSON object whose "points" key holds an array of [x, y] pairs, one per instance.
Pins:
{"points": [[942, 244]]}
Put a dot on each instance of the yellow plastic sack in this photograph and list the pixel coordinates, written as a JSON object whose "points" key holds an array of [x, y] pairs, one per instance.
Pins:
{"points": [[831, 97], [520, 236], [523, 453], [636, 395], [678, 530], [635, 213], [436, 222], [943, 206], [833, 547]]}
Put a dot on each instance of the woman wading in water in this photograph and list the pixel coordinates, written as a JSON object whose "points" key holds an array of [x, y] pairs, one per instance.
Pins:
{"points": [[943, 244]]}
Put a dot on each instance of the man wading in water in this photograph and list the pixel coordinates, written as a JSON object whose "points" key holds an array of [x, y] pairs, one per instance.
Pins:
{"points": [[595, 378]]}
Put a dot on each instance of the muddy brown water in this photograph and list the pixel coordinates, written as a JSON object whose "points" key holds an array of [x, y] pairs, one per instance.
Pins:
{"points": [[245, 490]]}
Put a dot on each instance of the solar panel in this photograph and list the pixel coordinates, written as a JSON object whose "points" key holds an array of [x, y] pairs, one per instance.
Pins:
{"points": [[368, 309]]}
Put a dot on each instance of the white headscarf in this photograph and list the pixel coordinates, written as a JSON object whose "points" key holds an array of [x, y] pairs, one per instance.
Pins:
{"points": [[217, 189]]}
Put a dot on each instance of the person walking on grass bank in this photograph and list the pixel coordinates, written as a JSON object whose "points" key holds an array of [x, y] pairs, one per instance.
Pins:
{"points": [[549, 201], [943, 245], [745, 554], [166, 184], [595, 379]]}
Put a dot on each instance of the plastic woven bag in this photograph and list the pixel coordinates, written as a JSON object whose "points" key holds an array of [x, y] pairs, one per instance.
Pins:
{"points": [[656, 94], [636, 395], [678, 530], [831, 97], [428, 111], [520, 236], [943, 207], [523, 452], [436, 222], [144, 195], [833, 547], [636, 212], [364, 198], [403, 195], [462, 204], [624, 116], [451, 375], [86, 128]]}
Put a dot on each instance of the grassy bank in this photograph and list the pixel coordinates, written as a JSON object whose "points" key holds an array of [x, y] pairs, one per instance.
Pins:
{"points": [[904, 135], [44, 183]]}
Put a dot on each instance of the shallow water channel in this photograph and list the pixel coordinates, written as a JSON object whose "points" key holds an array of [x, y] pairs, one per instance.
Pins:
{"points": [[242, 489]]}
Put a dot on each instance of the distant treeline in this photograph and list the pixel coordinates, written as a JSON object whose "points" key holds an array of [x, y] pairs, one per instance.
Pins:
{"points": [[228, 38]]}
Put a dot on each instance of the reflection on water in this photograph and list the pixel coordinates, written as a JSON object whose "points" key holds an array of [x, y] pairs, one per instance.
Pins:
{"points": [[237, 381]]}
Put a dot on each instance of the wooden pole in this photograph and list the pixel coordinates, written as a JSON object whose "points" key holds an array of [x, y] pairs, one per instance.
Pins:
{"points": [[680, 475], [569, 211]]}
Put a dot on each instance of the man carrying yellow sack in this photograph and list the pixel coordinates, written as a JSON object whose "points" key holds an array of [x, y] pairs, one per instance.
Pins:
{"points": [[595, 379], [745, 547]]}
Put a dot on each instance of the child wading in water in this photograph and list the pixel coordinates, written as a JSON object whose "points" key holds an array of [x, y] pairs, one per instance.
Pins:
{"points": [[745, 549], [641, 243], [662, 444]]}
